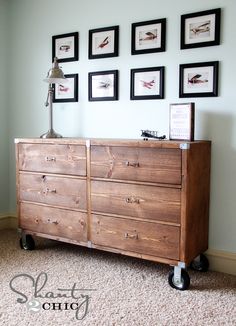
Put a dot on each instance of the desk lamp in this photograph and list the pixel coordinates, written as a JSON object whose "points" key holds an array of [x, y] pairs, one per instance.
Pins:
{"points": [[55, 76]]}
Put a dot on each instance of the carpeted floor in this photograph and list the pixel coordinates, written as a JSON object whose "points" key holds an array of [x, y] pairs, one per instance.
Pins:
{"points": [[106, 289]]}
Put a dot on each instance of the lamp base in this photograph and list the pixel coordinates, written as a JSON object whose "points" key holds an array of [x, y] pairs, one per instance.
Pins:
{"points": [[51, 134]]}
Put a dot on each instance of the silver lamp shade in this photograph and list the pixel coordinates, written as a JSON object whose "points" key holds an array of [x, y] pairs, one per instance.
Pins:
{"points": [[55, 74]]}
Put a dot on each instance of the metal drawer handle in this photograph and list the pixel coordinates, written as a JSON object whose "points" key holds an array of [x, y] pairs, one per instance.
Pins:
{"points": [[134, 164], [132, 200], [51, 191], [131, 236], [50, 159], [53, 222]]}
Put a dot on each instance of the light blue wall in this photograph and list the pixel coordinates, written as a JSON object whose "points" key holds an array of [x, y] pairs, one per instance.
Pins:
{"points": [[4, 134], [33, 22]]}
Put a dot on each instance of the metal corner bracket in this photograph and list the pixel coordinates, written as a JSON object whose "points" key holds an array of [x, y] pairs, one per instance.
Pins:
{"points": [[184, 146]]}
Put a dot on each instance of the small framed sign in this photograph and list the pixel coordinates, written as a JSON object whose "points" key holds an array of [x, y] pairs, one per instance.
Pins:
{"points": [[182, 121]]}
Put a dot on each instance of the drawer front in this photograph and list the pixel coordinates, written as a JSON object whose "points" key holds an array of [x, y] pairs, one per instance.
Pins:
{"points": [[141, 237], [54, 221], [64, 159], [51, 190], [138, 164], [149, 202]]}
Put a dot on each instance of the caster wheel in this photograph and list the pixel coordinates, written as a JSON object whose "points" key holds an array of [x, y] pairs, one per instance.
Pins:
{"points": [[28, 244], [185, 281], [201, 265]]}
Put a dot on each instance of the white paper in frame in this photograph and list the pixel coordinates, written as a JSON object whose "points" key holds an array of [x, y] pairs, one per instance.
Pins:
{"points": [[181, 121]]}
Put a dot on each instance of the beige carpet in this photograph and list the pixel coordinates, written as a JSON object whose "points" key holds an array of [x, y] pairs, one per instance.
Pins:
{"points": [[126, 291]]}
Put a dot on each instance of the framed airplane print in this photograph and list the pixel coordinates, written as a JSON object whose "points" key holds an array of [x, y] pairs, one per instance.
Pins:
{"points": [[148, 36], [198, 79], [65, 47], [181, 122], [67, 92], [147, 83], [200, 29], [103, 85], [103, 42]]}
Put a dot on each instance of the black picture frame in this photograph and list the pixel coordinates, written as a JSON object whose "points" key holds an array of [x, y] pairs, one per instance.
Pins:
{"points": [[199, 79], [200, 29], [147, 83], [65, 47], [103, 42], [67, 92], [148, 36], [181, 121], [103, 85]]}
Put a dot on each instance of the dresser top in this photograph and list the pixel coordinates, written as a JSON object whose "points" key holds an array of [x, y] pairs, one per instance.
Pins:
{"points": [[113, 142]]}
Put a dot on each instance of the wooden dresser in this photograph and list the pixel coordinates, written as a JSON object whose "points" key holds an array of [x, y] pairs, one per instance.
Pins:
{"points": [[147, 199]]}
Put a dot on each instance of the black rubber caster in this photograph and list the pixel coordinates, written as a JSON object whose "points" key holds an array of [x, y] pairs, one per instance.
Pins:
{"points": [[200, 265], [185, 280], [28, 243]]}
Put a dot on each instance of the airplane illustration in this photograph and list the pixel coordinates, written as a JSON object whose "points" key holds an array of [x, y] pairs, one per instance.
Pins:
{"points": [[103, 43], [195, 80], [65, 48], [148, 85], [104, 84], [150, 36], [63, 88], [201, 28]]}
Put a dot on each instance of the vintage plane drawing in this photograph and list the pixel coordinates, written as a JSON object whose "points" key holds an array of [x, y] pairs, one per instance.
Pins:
{"points": [[103, 43], [62, 88], [149, 36], [65, 48], [147, 84], [103, 84], [203, 28], [196, 79]]}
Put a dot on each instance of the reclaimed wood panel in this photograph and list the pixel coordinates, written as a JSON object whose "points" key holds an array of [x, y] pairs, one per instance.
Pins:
{"points": [[148, 202], [62, 159], [138, 164], [142, 237], [53, 190], [54, 221]]}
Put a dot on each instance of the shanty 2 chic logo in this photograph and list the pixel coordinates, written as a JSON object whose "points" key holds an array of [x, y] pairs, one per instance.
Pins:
{"points": [[80, 300]]}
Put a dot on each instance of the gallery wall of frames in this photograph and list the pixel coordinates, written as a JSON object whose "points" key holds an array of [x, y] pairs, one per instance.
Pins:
{"points": [[196, 79]]}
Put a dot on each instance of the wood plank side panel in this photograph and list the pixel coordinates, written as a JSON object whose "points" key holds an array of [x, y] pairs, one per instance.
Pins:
{"points": [[17, 181], [62, 159], [53, 221], [195, 201], [138, 164], [53, 190], [149, 202], [140, 237]]}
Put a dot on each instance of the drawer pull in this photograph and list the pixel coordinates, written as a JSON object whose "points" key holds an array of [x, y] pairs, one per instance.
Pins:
{"points": [[53, 222], [50, 191], [131, 236], [132, 200], [134, 164], [50, 159]]}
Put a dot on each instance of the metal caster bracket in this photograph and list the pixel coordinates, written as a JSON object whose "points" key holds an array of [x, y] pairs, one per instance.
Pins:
{"points": [[177, 272]]}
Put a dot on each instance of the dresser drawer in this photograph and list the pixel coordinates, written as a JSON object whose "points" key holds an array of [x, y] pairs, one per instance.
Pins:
{"points": [[64, 159], [149, 202], [53, 221], [52, 190], [138, 164], [141, 237]]}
